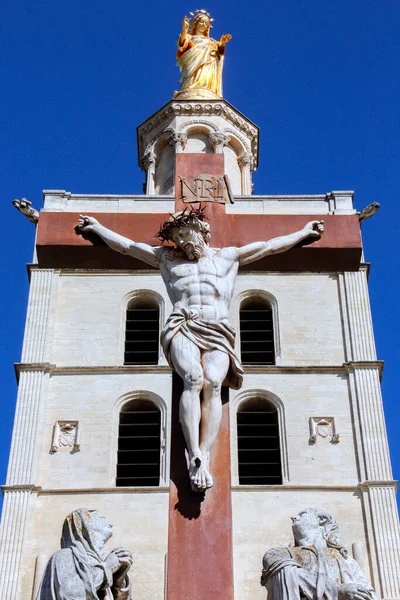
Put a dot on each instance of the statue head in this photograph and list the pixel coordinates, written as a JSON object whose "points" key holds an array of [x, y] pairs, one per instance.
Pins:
{"points": [[86, 530], [201, 23], [314, 526], [188, 231]]}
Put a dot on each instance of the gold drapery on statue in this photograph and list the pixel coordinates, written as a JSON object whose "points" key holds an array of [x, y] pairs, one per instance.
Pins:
{"points": [[200, 58]]}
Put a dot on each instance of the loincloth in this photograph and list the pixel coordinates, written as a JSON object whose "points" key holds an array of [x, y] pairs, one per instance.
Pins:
{"points": [[206, 335]]}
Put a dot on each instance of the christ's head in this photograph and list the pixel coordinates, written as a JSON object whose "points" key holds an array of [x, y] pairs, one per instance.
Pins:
{"points": [[189, 232], [190, 240]]}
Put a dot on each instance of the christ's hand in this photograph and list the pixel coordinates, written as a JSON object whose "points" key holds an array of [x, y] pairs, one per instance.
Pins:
{"points": [[87, 223], [314, 228]]}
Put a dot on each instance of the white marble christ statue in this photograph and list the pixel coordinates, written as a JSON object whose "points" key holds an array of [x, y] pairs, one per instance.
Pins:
{"points": [[197, 339]]}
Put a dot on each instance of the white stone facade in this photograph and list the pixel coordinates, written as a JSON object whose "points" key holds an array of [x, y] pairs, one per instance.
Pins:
{"points": [[72, 370]]}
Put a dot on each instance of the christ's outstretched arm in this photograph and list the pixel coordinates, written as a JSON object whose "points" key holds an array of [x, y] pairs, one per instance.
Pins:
{"points": [[119, 243], [257, 250]]}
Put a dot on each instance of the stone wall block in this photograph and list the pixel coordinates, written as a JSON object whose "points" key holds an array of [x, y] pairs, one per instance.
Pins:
{"points": [[385, 522], [25, 427], [11, 541], [359, 316], [33, 349]]}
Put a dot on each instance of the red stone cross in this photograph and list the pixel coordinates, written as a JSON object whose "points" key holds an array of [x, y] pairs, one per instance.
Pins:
{"points": [[200, 557]]}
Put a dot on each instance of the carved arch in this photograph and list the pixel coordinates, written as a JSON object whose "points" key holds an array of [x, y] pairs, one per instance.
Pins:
{"points": [[269, 396], [239, 138], [200, 131], [237, 142], [151, 145], [211, 127]]}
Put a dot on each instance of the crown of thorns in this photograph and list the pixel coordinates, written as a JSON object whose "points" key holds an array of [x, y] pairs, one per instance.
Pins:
{"points": [[184, 218]]}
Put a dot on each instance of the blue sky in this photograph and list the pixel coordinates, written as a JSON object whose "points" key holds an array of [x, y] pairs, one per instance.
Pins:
{"points": [[320, 78]]}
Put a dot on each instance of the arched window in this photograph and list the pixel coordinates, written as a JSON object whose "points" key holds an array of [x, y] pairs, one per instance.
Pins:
{"points": [[259, 455], [139, 444], [142, 331], [256, 332]]}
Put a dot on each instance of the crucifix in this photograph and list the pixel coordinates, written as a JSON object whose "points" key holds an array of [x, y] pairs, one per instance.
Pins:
{"points": [[198, 339]]}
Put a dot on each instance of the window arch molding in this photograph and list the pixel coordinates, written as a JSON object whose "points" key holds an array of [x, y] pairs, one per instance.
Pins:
{"points": [[142, 294], [162, 406], [237, 144], [240, 143], [253, 294], [241, 399], [198, 125], [198, 131]]}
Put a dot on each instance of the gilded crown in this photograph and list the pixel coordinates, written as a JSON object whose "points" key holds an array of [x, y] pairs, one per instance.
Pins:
{"points": [[199, 13]]}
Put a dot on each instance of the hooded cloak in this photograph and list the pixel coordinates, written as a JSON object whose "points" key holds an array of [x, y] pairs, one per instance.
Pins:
{"points": [[74, 572]]}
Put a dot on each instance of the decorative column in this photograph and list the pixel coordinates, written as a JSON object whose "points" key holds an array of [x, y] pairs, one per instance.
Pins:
{"points": [[178, 140], [384, 521], [356, 298], [149, 164], [33, 349], [20, 467], [246, 164], [372, 446], [218, 140], [15, 509], [24, 446]]}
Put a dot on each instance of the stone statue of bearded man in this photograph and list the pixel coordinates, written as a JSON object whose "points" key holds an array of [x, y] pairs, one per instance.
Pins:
{"points": [[198, 339], [317, 567]]}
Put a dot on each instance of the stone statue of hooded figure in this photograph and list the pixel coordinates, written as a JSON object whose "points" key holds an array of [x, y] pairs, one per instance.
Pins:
{"points": [[79, 571]]}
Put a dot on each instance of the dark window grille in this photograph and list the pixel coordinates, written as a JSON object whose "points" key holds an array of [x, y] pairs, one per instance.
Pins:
{"points": [[256, 333], [259, 456], [142, 333], [139, 445]]}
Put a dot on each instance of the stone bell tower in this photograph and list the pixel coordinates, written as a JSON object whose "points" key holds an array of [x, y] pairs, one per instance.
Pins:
{"points": [[197, 127], [97, 415]]}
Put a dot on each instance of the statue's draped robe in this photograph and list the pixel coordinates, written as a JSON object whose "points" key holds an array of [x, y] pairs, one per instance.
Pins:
{"points": [[72, 572], [201, 65], [206, 335], [308, 573]]}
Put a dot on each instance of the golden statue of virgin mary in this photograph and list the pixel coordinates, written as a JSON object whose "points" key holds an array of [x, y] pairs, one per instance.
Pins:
{"points": [[200, 58]]}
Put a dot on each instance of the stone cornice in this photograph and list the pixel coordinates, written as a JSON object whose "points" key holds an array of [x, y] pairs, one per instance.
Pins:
{"points": [[43, 367], [365, 364], [199, 108], [19, 488], [95, 490], [287, 487], [53, 369], [154, 125], [89, 369], [146, 271], [393, 483]]}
